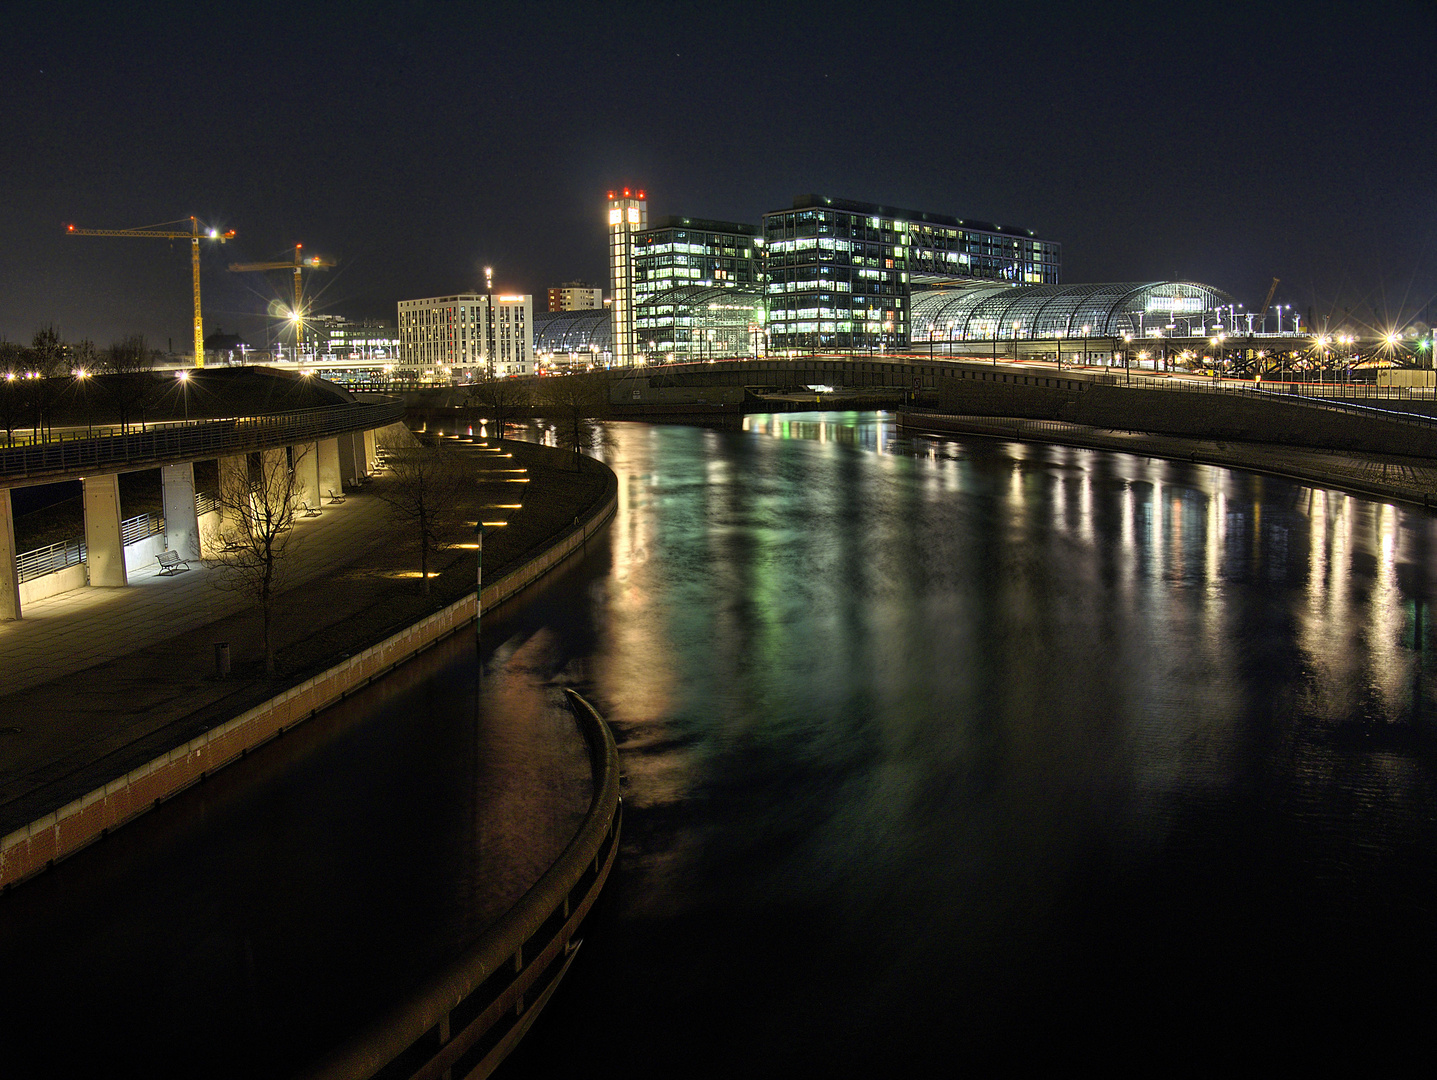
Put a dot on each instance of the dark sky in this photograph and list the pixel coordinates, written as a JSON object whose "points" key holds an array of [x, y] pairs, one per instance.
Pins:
{"points": [[417, 142]]}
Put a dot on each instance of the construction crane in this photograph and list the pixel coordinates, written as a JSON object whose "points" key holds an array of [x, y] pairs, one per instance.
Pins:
{"points": [[299, 265], [1261, 316], [194, 236]]}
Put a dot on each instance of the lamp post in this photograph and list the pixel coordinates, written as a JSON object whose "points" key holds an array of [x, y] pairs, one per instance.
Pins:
{"points": [[184, 377], [1127, 353], [1086, 328], [80, 377]]}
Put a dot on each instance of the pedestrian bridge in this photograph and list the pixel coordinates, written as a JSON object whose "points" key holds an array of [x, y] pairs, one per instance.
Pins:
{"points": [[333, 446]]}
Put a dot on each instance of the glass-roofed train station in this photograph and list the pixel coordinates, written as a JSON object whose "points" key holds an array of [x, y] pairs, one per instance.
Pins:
{"points": [[970, 318], [1034, 319]]}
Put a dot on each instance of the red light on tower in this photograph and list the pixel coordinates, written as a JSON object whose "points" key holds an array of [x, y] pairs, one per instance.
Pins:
{"points": [[626, 193], [70, 228], [611, 195]]}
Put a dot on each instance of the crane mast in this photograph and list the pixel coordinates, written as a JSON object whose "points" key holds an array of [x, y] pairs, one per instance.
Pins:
{"points": [[194, 236]]}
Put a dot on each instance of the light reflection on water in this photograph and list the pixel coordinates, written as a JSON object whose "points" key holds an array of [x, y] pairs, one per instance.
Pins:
{"points": [[917, 735]]}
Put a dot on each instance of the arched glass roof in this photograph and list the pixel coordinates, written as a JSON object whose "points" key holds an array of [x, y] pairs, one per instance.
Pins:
{"points": [[983, 312], [701, 299], [586, 330]]}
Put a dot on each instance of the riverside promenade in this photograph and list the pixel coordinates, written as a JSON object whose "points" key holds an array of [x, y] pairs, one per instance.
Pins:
{"points": [[99, 681], [1382, 476]]}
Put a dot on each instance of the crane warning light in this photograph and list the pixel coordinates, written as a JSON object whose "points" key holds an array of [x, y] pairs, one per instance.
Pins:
{"points": [[69, 228]]}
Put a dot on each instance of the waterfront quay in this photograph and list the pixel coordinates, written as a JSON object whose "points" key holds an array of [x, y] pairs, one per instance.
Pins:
{"points": [[101, 680]]}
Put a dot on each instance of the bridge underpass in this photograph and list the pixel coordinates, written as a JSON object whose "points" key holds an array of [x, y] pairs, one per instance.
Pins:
{"points": [[332, 446]]}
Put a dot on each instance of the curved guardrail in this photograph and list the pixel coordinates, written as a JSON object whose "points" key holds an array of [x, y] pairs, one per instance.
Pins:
{"points": [[465, 1021], [203, 438]]}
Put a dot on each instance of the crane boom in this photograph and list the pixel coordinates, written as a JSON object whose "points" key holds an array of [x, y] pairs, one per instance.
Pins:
{"points": [[314, 262], [194, 236]]}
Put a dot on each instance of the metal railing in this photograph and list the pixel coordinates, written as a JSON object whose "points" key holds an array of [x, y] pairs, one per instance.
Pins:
{"points": [[66, 553], [135, 529], [49, 560], [186, 442], [1325, 396]]}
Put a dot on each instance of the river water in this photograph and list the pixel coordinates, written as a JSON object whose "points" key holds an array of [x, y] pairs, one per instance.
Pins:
{"points": [[937, 754], [948, 753]]}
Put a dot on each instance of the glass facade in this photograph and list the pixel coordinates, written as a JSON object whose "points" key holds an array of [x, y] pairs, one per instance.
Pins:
{"points": [[699, 322], [690, 251], [628, 216], [981, 312], [841, 274]]}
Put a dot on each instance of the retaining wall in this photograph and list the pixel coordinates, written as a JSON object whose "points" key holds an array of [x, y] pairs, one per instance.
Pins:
{"points": [[31, 849]]}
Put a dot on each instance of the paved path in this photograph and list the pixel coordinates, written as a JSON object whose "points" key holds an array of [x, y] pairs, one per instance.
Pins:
{"points": [[95, 682], [75, 630]]}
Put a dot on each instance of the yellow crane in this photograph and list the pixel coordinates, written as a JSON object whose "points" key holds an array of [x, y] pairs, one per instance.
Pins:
{"points": [[300, 264], [194, 236]]}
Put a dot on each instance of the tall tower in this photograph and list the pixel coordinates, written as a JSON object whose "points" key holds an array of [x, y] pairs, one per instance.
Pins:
{"points": [[628, 214]]}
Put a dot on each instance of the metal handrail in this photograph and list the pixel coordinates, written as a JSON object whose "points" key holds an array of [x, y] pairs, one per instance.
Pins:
{"points": [[135, 529], [50, 559], [209, 438]]}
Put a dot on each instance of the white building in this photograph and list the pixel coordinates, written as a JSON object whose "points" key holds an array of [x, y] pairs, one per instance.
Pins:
{"points": [[628, 214], [472, 335]]}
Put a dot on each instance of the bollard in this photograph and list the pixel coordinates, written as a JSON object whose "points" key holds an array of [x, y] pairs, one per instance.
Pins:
{"points": [[222, 658]]}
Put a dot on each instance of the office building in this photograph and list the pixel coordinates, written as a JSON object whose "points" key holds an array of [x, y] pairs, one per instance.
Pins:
{"points": [[841, 274], [628, 216], [469, 335], [683, 267], [575, 296]]}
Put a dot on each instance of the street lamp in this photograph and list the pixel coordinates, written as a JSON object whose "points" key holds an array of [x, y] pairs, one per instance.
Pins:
{"points": [[184, 377], [1127, 354], [1086, 328]]}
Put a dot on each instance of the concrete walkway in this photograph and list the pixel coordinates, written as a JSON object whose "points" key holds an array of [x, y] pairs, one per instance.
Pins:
{"points": [[64, 634], [95, 682]]}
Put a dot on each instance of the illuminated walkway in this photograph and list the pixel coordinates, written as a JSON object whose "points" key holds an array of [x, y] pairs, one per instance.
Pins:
{"points": [[98, 681]]}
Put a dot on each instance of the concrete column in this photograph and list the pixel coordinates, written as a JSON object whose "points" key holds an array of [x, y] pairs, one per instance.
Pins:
{"points": [[330, 477], [9, 576], [182, 526], [234, 474], [306, 471], [370, 457], [347, 459], [104, 551], [236, 467]]}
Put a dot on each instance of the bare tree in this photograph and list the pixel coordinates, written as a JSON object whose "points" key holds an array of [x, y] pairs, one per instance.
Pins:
{"points": [[574, 402], [422, 491], [130, 380], [46, 361], [502, 400], [251, 546]]}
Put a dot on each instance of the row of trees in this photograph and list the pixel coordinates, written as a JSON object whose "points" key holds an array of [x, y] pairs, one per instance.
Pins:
{"points": [[425, 490], [38, 380]]}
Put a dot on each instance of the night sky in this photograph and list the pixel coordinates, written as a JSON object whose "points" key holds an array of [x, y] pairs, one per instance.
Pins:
{"points": [[417, 142]]}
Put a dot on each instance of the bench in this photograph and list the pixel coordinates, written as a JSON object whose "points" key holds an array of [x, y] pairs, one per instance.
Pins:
{"points": [[309, 511], [171, 562], [333, 498]]}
